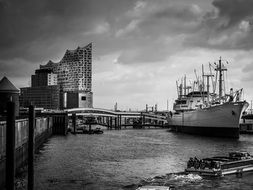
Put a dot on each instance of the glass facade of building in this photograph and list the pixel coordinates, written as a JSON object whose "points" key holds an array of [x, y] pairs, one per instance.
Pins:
{"points": [[74, 75], [47, 97]]}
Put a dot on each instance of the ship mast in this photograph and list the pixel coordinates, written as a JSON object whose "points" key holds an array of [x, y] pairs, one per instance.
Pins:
{"points": [[203, 85], [220, 80], [207, 82], [178, 90], [213, 84], [203, 81], [220, 70], [185, 85]]}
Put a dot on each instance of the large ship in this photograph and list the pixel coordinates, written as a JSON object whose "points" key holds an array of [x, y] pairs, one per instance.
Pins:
{"points": [[200, 110]]}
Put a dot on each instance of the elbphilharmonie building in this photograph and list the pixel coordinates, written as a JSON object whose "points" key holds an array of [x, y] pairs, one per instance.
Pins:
{"points": [[74, 77]]}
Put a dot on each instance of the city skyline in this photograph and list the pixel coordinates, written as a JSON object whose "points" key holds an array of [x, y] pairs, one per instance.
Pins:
{"points": [[140, 48]]}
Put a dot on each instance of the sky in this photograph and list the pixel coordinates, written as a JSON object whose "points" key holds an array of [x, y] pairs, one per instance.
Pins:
{"points": [[140, 47]]}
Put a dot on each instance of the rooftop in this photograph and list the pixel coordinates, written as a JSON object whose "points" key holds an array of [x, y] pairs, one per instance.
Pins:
{"points": [[7, 86]]}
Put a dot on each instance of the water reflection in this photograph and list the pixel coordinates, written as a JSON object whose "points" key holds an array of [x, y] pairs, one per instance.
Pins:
{"points": [[128, 158]]}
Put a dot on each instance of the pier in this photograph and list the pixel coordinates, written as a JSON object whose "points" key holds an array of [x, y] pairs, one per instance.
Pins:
{"points": [[118, 119]]}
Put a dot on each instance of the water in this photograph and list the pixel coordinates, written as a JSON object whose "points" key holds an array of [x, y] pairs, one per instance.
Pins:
{"points": [[127, 158]]}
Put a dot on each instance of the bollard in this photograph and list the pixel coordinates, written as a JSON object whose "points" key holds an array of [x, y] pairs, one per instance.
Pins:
{"points": [[110, 122], [115, 123], [89, 127], [31, 148], [10, 146], [74, 122], [119, 121]]}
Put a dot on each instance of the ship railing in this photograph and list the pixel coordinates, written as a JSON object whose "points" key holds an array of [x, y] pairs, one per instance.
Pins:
{"points": [[236, 164]]}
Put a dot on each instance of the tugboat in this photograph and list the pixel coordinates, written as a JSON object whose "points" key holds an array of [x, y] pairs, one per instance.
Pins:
{"points": [[235, 163]]}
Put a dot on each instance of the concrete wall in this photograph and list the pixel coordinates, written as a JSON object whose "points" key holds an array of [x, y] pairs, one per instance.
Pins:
{"points": [[43, 130], [85, 100], [79, 99]]}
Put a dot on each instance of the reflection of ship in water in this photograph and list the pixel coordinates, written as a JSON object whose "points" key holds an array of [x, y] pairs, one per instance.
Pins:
{"points": [[198, 110]]}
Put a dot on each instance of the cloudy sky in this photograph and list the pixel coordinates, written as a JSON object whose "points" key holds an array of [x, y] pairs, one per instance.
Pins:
{"points": [[140, 47]]}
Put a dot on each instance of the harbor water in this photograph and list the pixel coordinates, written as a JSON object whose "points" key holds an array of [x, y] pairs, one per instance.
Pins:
{"points": [[126, 159]]}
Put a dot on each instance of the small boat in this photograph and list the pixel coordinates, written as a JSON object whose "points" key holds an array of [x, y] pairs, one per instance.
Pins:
{"points": [[154, 188], [235, 163], [98, 131]]}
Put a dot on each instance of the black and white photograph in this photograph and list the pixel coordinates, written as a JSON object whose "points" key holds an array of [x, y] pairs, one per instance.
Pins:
{"points": [[126, 94]]}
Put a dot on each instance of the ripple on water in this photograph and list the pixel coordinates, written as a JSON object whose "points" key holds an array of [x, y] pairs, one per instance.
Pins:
{"points": [[128, 158]]}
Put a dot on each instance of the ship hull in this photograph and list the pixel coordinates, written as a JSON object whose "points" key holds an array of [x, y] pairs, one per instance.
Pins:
{"points": [[219, 120]]}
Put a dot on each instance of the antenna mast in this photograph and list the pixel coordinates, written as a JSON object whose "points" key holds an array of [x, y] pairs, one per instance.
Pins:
{"points": [[185, 85], [208, 85], [178, 89], [212, 77], [203, 80], [220, 68]]}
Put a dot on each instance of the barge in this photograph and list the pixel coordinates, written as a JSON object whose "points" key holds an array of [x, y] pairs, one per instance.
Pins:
{"points": [[235, 163]]}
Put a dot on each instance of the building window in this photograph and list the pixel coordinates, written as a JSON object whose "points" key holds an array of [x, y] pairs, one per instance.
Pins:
{"points": [[83, 98]]}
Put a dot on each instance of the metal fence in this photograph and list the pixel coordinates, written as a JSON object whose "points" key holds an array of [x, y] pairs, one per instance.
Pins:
{"points": [[21, 131]]}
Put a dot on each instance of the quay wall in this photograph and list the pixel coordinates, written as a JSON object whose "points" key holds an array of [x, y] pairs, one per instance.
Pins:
{"points": [[43, 130]]}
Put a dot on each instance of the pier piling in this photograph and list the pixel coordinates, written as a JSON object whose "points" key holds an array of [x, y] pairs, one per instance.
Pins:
{"points": [[31, 148], [10, 146], [74, 122]]}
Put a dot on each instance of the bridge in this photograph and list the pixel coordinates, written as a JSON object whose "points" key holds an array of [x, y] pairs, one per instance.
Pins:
{"points": [[119, 119]]}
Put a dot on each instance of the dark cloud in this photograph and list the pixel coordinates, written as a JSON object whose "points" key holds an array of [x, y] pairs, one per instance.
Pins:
{"points": [[36, 30], [143, 31], [153, 31], [184, 13], [16, 68], [226, 27], [32, 26], [234, 10]]}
